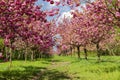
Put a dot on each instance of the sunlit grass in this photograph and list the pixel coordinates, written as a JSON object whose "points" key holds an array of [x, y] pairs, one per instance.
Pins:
{"points": [[63, 68]]}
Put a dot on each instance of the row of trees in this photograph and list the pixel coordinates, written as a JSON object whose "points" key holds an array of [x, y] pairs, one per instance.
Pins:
{"points": [[23, 26], [92, 26]]}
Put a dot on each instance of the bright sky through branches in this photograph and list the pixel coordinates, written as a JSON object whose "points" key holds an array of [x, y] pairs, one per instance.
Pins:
{"points": [[64, 10]]}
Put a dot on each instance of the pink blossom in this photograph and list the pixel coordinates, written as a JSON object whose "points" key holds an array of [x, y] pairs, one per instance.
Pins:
{"points": [[117, 14]]}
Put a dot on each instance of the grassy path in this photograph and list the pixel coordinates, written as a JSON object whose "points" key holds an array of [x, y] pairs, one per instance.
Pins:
{"points": [[63, 68]]}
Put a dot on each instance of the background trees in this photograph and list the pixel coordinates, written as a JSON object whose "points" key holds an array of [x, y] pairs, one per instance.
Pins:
{"points": [[93, 25]]}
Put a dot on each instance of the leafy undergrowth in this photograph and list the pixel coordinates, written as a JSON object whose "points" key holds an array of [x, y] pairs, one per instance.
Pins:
{"points": [[63, 68]]}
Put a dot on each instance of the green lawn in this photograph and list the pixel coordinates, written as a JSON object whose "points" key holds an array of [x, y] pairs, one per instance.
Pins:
{"points": [[63, 68]]}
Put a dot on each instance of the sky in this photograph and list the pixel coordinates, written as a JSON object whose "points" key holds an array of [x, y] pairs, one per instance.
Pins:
{"points": [[64, 10]]}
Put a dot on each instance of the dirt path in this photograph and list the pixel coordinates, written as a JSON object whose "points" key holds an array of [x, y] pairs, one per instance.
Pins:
{"points": [[51, 68], [58, 64]]}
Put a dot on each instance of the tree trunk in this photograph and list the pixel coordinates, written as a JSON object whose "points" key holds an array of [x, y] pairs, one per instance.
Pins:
{"points": [[39, 55], [71, 51], [74, 51], [25, 55], [78, 51], [10, 51], [85, 51], [98, 51], [6, 53], [19, 55], [3, 51], [32, 56]]}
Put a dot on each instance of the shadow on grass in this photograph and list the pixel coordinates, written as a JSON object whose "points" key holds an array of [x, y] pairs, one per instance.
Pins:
{"points": [[105, 69], [53, 60], [49, 61], [117, 61], [95, 60], [34, 73]]}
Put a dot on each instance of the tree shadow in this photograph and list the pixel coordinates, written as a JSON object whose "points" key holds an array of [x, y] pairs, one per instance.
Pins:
{"points": [[81, 59], [105, 69], [34, 73], [53, 60], [111, 61], [49, 61], [95, 60]]}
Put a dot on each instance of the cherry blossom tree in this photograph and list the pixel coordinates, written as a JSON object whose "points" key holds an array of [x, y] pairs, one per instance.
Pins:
{"points": [[98, 22], [64, 30], [68, 30], [113, 6], [81, 30], [23, 19], [93, 25]]}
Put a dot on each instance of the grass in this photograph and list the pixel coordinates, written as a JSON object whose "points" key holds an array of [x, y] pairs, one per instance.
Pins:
{"points": [[63, 68]]}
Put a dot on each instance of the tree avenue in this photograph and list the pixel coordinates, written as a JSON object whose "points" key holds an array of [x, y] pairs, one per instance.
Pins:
{"points": [[23, 21], [92, 26]]}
